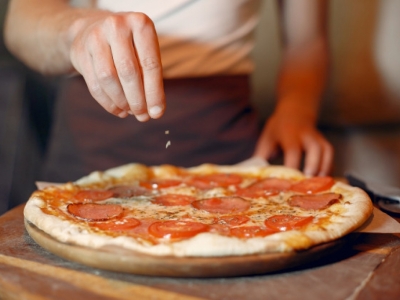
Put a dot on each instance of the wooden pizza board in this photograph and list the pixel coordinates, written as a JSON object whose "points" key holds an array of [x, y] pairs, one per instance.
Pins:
{"points": [[127, 261]]}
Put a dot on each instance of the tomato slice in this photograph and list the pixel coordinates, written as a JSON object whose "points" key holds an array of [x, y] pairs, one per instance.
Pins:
{"points": [[142, 230], [214, 180], [93, 195], [157, 184], [287, 222], [232, 220], [222, 205], [119, 225], [251, 231], [313, 185], [174, 200], [176, 229]]}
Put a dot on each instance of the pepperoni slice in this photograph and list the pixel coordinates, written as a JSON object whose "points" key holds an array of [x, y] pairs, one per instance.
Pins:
{"points": [[272, 184], [94, 211], [214, 180], [251, 231], [316, 201], [93, 195], [313, 185], [119, 225], [129, 191], [287, 222], [266, 188], [174, 200], [157, 184], [232, 220], [222, 205], [176, 229]]}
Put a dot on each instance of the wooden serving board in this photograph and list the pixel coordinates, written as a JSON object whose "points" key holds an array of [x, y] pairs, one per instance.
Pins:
{"points": [[121, 260]]}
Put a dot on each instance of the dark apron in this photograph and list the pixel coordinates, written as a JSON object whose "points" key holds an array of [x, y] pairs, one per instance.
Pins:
{"points": [[209, 120]]}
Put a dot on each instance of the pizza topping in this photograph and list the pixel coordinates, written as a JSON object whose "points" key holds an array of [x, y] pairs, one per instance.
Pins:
{"points": [[256, 193], [220, 229], [265, 188], [232, 220], [129, 191], [214, 180], [222, 205], [142, 229], [272, 184], [118, 225], [251, 231], [287, 222], [93, 195], [317, 201], [157, 184], [173, 200], [313, 185], [94, 211], [176, 229]]}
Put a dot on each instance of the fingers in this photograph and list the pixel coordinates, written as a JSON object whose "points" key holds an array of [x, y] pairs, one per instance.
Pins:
{"points": [[105, 86], [319, 156], [119, 58], [312, 158], [148, 53], [128, 72], [265, 148], [292, 155], [327, 159]]}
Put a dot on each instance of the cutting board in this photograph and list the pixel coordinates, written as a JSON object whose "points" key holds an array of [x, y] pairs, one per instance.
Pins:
{"points": [[121, 260]]}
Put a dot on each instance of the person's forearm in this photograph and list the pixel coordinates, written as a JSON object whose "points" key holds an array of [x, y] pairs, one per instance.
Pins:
{"points": [[39, 33], [302, 78]]}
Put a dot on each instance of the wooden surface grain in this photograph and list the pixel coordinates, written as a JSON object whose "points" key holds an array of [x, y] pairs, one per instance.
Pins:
{"points": [[368, 268]]}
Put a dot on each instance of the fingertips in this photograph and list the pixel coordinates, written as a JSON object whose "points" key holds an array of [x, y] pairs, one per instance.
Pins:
{"points": [[292, 157], [156, 111], [142, 117], [319, 158], [327, 159], [312, 159]]}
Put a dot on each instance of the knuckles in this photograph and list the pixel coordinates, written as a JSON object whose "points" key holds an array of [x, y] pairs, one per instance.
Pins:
{"points": [[134, 20], [150, 64], [106, 76], [140, 21], [127, 69]]}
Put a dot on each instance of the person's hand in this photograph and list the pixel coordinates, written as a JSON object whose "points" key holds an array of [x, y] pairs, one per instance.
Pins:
{"points": [[118, 55], [295, 133]]}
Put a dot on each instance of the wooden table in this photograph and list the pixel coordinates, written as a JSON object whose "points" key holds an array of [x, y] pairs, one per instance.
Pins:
{"points": [[368, 268]]}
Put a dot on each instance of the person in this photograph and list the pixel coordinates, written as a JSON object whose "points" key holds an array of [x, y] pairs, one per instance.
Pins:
{"points": [[176, 73]]}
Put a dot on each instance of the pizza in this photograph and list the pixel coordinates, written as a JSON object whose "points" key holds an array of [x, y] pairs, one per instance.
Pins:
{"points": [[203, 211]]}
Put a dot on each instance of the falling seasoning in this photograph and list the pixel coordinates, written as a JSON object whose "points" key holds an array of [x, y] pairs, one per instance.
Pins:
{"points": [[169, 142]]}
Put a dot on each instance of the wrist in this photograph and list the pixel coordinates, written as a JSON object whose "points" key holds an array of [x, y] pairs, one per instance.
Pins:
{"points": [[297, 107]]}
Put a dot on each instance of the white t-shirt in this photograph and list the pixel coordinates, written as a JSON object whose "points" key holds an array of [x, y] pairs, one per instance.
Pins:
{"points": [[199, 37]]}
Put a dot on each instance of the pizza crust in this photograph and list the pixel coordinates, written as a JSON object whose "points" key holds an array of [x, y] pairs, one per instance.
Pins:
{"points": [[347, 218]]}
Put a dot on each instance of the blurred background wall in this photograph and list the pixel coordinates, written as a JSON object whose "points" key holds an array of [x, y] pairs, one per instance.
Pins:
{"points": [[360, 113]]}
